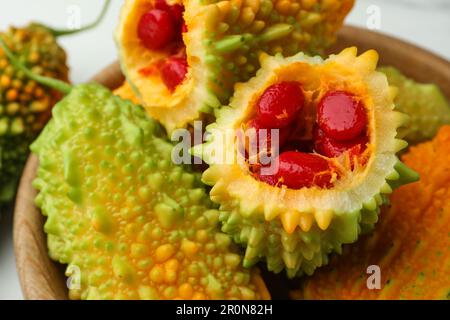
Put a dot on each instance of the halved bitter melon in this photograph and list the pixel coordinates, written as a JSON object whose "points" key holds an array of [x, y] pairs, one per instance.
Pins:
{"points": [[296, 219], [124, 232], [220, 45], [128, 222]]}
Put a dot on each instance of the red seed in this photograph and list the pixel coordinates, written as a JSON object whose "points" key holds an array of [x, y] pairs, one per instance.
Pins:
{"points": [[184, 27], [173, 72], [283, 135], [269, 179], [177, 13], [331, 148], [162, 5], [175, 10], [341, 116], [156, 29], [297, 170], [279, 104]]}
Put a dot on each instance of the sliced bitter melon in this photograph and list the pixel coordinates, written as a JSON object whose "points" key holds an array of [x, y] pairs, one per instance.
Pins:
{"points": [[425, 104], [297, 229], [222, 42], [129, 223]]}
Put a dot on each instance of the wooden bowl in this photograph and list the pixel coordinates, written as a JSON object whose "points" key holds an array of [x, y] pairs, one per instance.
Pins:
{"points": [[42, 278]]}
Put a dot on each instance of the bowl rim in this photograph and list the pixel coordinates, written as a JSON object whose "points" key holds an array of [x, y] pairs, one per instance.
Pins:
{"points": [[41, 278]]}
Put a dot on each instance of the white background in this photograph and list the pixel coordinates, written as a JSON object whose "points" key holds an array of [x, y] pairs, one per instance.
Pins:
{"points": [[423, 22]]}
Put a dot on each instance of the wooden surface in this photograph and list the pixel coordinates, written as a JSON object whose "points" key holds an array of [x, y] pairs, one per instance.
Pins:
{"points": [[41, 278]]}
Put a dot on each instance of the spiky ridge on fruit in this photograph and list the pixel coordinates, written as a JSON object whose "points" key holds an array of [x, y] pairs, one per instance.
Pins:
{"points": [[134, 225], [297, 229], [410, 244], [222, 45], [425, 104], [24, 104]]}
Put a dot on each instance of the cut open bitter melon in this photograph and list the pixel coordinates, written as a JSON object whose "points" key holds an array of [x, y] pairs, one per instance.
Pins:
{"points": [[295, 228], [220, 46], [129, 223]]}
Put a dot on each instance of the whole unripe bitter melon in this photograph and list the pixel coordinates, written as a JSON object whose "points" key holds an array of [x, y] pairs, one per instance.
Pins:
{"points": [[129, 223], [334, 172], [178, 73], [25, 105]]}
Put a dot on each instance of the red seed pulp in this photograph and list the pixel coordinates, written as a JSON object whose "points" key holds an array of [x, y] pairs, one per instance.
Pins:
{"points": [[279, 104], [269, 179], [297, 170], [156, 29], [160, 28], [184, 27], [341, 116], [332, 148], [173, 72], [341, 127], [264, 139], [175, 10]]}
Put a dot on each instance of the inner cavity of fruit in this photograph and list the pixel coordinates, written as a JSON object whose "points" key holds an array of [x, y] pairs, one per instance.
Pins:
{"points": [[309, 148], [161, 29]]}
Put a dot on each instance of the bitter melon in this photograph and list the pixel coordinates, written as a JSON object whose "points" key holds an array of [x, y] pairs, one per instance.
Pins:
{"points": [[135, 225], [128, 222], [337, 163], [181, 65], [25, 104]]}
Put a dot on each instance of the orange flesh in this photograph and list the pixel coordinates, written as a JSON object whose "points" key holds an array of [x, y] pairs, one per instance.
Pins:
{"points": [[411, 243]]}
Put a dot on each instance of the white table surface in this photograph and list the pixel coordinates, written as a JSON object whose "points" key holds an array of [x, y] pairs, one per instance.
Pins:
{"points": [[423, 22]]}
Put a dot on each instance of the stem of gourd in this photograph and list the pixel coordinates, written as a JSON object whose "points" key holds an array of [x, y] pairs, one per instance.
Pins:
{"points": [[65, 32]]}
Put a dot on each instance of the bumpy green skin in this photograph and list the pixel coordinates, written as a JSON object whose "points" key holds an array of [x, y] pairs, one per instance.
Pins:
{"points": [[299, 252], [13, 154], [119, 211], [302, 252], [425, 104], [24, 104], [310, 29]]}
